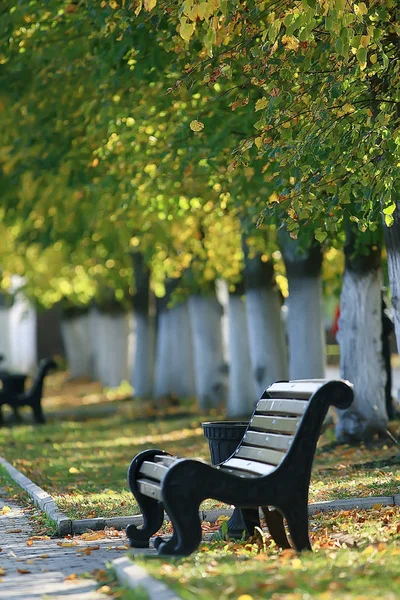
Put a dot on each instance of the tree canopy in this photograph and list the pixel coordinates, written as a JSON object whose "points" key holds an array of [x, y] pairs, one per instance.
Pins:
{"points": [[160, 126]]}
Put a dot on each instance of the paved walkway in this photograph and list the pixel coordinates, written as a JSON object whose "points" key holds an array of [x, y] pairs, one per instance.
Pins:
{"points": [[46, 569]]}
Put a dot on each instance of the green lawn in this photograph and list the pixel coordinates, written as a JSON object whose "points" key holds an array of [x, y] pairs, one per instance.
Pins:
{"points": [[356, 555], [83, 463]]}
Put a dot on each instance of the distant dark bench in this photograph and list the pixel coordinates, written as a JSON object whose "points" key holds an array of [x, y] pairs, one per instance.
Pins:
{"points": [[12, 390], [270, 468]]}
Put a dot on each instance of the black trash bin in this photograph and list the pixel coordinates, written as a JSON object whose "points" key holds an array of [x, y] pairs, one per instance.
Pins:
{"points": [[223, 438]]}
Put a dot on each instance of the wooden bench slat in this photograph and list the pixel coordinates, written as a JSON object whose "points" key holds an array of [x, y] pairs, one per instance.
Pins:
{"points": [[282, 406], [295, 389], [266, 455], [165, 459], [238, 473], [153, 470], [275, 424], [268, 440], [249, 465], [149, 488]]}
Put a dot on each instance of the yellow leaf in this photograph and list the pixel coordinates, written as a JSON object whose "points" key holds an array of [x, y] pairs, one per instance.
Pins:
{"points": [[365, 40], [93, 536], [73, 470], [196, 125], [296, 563], [274, 197], [245, 597], [5, 510], [2, 571], [361, 9], [66, 544], [186, 29], [373, 58], [138, 8], [204, 10], [348, 108], [258, 142], [149, 4], [260, 104]]}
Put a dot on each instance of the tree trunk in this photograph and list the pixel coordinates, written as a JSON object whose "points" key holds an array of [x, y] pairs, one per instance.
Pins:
{"points": [[174, 359], [305, 328], [4, 335], [392, 239], [22, 354], [360, 340], [145, 335], [75, 331], [242, 394], [210, 367], [110, 340], [267, 340]]}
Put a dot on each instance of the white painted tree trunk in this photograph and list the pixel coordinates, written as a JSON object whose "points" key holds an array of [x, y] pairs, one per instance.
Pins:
{"points": [[210, 367], [22, 335], [393, 256], [361, 362], [110, 345], [174, 358], [242, 394], [144, 356], [267, 340], [305, 328], [4, 337], [77, 344]]}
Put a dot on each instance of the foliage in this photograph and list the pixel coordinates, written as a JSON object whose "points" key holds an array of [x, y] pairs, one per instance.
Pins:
{"points": [[131, 168], [322, 79]]}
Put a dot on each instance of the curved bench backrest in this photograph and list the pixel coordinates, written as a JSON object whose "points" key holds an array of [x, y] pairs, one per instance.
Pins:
{"points": [[272, 427]]}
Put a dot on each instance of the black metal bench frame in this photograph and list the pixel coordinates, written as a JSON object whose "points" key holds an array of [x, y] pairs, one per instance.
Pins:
{"points": [[179, 485], [15, 396]]}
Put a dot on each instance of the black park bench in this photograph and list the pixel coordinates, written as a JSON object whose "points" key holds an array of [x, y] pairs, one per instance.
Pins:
{"points": [[270, 468], [13, 393]]}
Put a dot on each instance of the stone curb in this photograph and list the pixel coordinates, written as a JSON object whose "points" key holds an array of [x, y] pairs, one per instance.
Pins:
{"points": [[133, 576], [41, 499], [66, 526]]}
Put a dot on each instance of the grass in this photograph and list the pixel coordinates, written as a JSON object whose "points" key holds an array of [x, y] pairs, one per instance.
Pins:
{"points": [[356, 555], [83, 463]]}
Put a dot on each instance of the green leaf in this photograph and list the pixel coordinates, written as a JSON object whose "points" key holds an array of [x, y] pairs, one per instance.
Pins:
{"points": [[320, 235]]}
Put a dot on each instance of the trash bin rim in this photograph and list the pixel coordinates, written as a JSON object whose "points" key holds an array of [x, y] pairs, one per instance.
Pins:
{"points": [[230, 423]]}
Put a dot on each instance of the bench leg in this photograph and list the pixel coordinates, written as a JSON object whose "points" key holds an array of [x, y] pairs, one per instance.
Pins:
{"points": [[297, 520], [153, 517], [274, 520], [187, 530], [38, 415]]}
